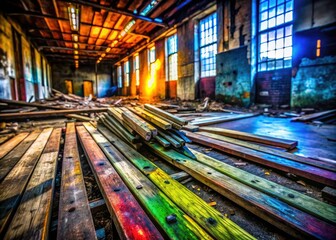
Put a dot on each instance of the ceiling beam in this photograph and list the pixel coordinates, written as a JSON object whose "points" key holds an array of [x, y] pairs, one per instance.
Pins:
{"points": [[81, 56], [117, 10], [70, 49]]}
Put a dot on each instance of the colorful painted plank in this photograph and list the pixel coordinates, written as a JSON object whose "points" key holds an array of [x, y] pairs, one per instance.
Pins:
{"points": [[74, 216], [9, 161], [310, 172], [272, 141], [287, 218], [32, 218], [287, 155], [305, 203], [15, 182], [206, 216], [165, 115], [120, 201], [173, 222], [12, 143]]}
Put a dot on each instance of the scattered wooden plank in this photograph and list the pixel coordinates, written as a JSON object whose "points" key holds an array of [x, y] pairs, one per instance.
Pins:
{"points": [[12, 143], [287, 218], [312, 116], [190, 127], [170, 139], [162, 141], [165, 115], [225, 118], [120, 201], [15, 182], [22, 103], [8, 162], [79, 117], [305, 203], [180, 176], [310, 172], [329, 194], [113, 112], [32, 218], [151, 118], [287, 155], [167, 215], [74, 216], [137, 124], [272, 141], [182, 135], [54, 113], [6, 137]]}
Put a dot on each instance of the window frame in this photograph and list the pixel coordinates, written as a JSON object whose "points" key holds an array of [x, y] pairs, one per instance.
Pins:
{"points": [[136, 60], [127, 73], [172, 61], [209, 62], [274, 43], [119, 76]]}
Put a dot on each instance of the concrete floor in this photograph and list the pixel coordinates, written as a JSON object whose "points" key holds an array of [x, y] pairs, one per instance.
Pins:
{"points": [[313, 140]]}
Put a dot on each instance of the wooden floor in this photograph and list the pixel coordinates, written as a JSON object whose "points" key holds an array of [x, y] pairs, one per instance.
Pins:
{"points": [[144, 201]]}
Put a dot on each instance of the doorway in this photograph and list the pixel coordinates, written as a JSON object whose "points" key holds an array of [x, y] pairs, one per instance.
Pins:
{"points": [[69, 86], [87, 88]]}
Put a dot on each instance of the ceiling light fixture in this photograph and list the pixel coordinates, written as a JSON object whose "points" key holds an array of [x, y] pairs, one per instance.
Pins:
{"points": [[103, 55], [108, 49], [75, 45], [74, 18], [76, 52], [75, 37]]}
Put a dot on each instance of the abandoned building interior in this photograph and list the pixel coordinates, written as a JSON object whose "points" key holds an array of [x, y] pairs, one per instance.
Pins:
{"points": [[168, 119]]}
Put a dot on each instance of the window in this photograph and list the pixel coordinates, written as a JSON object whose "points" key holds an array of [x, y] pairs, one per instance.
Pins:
{"points": [[137, 69], [152, 59], [318, 48], [126, 73], [275, 34], [119, 77], [208, 45], [172, 57]]}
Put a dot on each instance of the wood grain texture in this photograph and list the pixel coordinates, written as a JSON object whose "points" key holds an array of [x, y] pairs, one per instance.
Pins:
{"points": [[8, 162], [15, 182], [8, 146], [165, 115], [287, 218], [128, 216], [151, 118], [156, 203], [219, 226], [310, 172], [74, 216], [277, 142], [305, 203], [32, 218], [226, 118], [276, 152]]}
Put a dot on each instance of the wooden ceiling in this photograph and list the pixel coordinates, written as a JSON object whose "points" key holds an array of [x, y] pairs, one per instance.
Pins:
{"points": [[47, 24]]}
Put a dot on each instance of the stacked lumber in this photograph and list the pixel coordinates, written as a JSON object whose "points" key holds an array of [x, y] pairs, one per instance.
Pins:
{"points": [[319, 116], [135, 124]]}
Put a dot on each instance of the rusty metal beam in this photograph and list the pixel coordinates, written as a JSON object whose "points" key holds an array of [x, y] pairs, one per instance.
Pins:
{"points": [[117, 10]]}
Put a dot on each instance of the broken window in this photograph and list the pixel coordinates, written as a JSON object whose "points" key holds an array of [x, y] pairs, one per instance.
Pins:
{"points": [[137, 69], [275, 34], [119, 77], [208, 45], [172, 57]]}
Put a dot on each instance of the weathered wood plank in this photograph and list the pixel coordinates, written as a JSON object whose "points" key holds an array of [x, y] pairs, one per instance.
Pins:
{"points": [[329, 194], [172, 221], [305, 203], [12, 143], [312, 116], [32, 218], [272, 141], [74, 216], [287, 155], [179, 176], [4, 138], [121, 203], [151, 118], [310, 172], [15, 182], [287, 218], [206, 216], [22, 103], [9, 161], [54, 113], [214, 120], [165, 115]]}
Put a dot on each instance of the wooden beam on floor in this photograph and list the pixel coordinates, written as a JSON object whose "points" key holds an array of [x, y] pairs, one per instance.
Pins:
{"points": [[305, 203], [207, 217], [165, 115], [224, 118], [287, 155], [8, 146], [74, 215], [122, 205], [285, 217], [15, 182], [27, 104], [46, 114], [32, 218], [10, 160], [172, 221], [310, 172], [272, 141]]}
